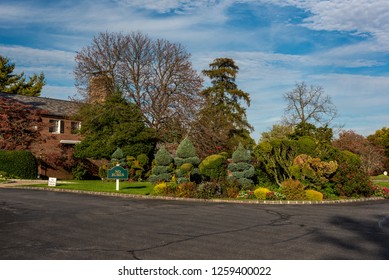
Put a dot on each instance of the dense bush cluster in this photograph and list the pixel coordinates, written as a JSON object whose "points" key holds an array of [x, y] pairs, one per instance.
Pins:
{"points": [[280, 169], [18, 164]]}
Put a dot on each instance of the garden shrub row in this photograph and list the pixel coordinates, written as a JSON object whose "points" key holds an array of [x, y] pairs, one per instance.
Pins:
{"points": [[18, 164], [288, 169]]}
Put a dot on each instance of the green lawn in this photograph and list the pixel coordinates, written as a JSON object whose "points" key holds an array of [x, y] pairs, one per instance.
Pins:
{"points": [[380, 178], [382, 184], [142, 188]]}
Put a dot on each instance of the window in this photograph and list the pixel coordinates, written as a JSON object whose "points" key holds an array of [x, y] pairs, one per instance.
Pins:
{"points": [[56, 126], [75, 127]]}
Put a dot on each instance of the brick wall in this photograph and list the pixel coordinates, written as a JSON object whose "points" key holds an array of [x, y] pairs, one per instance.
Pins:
{"points": [[56, 158]]}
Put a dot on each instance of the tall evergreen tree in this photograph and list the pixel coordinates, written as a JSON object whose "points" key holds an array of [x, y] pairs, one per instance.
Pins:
{"points": [[223, 117], [115, 123], [16, 83]]}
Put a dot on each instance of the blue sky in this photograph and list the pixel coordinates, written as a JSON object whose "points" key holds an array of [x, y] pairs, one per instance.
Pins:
{"points": [[342, 46]]}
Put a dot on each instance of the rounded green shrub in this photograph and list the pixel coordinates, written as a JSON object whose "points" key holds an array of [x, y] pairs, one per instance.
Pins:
{"points": [[186, 167], [260, 193], [213, 167], [143, 159], [313, 195]]}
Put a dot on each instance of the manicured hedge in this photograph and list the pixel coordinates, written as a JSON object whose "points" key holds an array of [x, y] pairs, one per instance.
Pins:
{"points": [[18, 164]]}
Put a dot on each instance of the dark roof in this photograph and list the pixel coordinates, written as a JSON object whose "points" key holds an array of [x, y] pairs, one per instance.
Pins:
{"points": [[54, 107]]}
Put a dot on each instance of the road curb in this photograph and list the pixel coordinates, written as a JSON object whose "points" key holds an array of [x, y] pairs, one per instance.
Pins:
{"points": [[263, 202]]}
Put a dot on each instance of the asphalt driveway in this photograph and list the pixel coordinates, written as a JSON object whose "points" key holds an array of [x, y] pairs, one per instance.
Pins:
{"points": [[36, 224]]}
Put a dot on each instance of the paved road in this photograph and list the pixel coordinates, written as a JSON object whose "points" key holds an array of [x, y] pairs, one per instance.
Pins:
{"points": [[49, 225]]}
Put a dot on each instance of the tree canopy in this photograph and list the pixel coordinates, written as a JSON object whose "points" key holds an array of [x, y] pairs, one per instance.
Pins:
{"points": [[155, 75], [111, 125], [20, 125], [17, 83]]}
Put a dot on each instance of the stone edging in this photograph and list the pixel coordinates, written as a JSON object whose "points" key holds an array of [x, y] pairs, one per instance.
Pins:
{"points": [[268, 202]]}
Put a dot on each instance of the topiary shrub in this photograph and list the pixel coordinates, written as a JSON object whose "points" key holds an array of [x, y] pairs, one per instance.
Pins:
{"points": [[213, 167], [162, 169], [118, 158], [293, 189], [313, 195], [240, 168], [261, 193], [186, 161]]}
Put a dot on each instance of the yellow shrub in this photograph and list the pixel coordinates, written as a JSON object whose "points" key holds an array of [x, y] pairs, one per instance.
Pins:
{"points": [[160, 188], [314, 195], [187, 189], [260, 193], [293, 189]]}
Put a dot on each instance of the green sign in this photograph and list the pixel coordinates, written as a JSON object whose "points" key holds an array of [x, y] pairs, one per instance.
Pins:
{"points": [[118, 172]]}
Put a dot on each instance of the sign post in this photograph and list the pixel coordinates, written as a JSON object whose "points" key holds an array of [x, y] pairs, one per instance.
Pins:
{"points": [[52, 182], [118, 173]]}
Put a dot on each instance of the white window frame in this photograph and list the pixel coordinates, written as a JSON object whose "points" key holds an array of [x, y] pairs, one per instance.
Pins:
{"points": [[56, 126]]}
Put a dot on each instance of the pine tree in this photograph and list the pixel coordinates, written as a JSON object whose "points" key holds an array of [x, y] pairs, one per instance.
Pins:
{"points": [[16, 83]]}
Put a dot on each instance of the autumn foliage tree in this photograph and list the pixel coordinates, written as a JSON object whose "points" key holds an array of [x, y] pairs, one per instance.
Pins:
{"points": [[20, 125], [372, 156], [380, 139]]}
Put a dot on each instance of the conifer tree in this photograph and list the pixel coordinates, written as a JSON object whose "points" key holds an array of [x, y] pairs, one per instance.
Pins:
{"points": [[162, 171], [118, 158], [16, 83], [240, 168], [186, 161], [222, 119]]}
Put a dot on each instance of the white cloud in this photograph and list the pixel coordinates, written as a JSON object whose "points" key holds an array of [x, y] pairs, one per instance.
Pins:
{"points": [[27, 55], [163, 6], [358, 17]]}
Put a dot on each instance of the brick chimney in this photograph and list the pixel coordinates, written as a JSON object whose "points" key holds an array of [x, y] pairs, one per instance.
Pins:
{"points": [[99, 88]]}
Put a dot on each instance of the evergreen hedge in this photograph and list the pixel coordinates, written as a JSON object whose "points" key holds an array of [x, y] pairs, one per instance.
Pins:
{"points": [[18, 164]]}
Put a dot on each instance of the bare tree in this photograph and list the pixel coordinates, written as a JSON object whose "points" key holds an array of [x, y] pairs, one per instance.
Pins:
{"points": [[309, 104], [156, 75]]}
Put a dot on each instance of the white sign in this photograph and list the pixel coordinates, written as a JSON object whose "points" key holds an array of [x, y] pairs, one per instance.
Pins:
{"points": [[52, 182]]}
